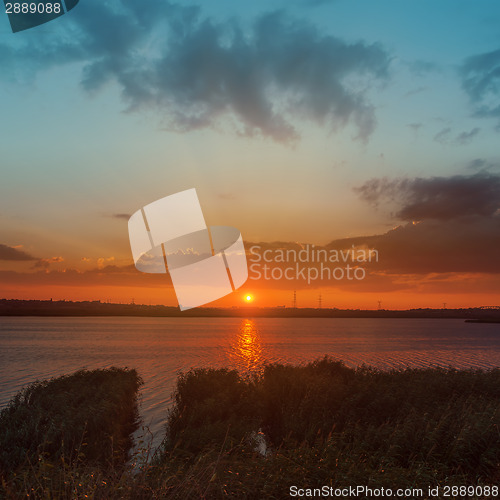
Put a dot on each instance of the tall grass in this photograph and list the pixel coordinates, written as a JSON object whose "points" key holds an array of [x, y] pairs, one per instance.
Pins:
{"points": [[324, 423], [79, 420], [328, 424]]}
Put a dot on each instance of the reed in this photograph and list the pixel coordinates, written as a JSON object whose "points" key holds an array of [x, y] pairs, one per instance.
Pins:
{"points": [[73, 422], [324, 424]]}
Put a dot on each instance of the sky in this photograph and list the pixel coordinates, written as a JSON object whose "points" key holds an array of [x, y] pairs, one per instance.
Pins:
{"points": [[300, 122]]}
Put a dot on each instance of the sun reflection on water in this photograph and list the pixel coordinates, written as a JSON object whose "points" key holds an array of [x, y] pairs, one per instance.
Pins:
{"points": [[247, 347]]}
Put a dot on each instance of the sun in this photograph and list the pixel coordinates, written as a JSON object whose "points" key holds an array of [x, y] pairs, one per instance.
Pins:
{"points": [[248, 298]]}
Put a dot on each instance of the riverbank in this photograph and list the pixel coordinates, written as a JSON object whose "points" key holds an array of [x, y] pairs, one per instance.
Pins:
{"points": [[96, 308], [308, 426]]}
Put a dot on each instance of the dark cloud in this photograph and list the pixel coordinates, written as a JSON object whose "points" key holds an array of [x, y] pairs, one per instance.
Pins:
{"points": [[199, 73], [12, 253], [481, 80], [123, 276], [407, 257], [438, 198], [458, 229], [435, 246], [121, 216], [282, 72]]}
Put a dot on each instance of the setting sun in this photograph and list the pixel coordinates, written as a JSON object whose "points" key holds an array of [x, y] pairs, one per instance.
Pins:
{"points": [[248, 298]]}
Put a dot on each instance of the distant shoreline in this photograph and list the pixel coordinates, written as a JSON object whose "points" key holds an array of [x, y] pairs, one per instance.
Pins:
{"points": [[64, 308]]}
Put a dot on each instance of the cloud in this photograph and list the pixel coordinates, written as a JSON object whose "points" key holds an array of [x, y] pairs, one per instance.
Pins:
{"points": [[284, 71], [415, 127], [45, 263], [451, 246], [443, 135], [452, 256], [477, 164], [458, 228], [123, 276], [14, 253], [481, 81], [438, 198], [436, 246], [102, 261], [199, 73], [409, 257], [483, 165], [42, 263], [121, 216], [466, 137]]}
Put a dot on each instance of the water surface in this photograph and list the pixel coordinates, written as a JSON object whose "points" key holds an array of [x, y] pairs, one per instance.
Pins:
{"points": [[38, 348]]}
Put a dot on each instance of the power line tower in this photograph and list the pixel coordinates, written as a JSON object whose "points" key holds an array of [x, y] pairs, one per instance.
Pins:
{"points": [[379, 305], [444, 305], [320, 302], [294, 299]]}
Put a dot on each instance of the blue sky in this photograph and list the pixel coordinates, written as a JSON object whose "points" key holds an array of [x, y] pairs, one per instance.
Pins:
{"points": [[275, 111]]}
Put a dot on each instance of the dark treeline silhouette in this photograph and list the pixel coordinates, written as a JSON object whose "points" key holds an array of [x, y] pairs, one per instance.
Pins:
{"points": [[13, 307]]}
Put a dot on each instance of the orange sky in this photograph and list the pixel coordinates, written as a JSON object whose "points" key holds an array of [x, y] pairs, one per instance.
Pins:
{"points": [[459, 290]]}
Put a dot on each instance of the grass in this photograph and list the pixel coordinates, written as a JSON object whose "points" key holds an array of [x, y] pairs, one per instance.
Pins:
{"points": [[328, 424], [324, 423], [68, 423]]}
